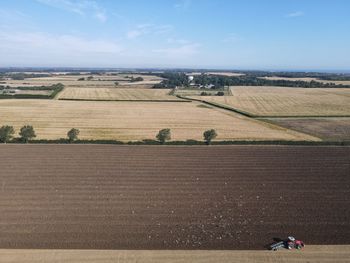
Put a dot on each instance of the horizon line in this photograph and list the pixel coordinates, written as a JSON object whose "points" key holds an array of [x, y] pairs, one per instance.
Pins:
{"points": [[339, 71]]}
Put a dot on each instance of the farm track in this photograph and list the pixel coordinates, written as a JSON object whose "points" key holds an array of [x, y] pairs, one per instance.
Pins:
{"points": [[313, 254], [139, 197]]}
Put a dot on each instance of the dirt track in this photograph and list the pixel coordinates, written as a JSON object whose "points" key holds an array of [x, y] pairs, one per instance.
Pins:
{"points": [[120, 197], [312, 254]]}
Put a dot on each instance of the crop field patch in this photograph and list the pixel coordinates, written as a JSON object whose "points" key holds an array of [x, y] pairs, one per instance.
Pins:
{"points": [[126, 121], [137, 197], [325, 128], [282, 101], [118, 94], [97, 81], [308, 79]]}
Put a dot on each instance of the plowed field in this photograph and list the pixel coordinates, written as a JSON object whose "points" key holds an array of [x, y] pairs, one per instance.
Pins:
{"points": [[138, 197]]}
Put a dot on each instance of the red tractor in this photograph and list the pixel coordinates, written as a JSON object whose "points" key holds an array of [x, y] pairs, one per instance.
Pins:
{"points": [[288, 243]]}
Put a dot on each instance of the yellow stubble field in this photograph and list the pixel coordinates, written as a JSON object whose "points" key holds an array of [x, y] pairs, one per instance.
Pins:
{"points": [[283, 101], [98, 81], [126, 121], [117, 94]]}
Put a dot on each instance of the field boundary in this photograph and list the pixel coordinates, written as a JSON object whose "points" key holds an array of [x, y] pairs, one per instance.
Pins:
{"points": [[189, 142], [136, 100], [244, 113], [300, 117]]}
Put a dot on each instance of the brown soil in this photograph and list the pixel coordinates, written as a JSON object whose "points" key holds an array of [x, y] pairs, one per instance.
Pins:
{"points": [[137, 197], [325, 128]]}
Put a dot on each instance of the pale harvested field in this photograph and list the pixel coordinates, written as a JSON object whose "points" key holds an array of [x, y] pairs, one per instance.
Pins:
{"points": [[337, 82], [117, 94], [282, 101], [229, 74], [135, 120], [106, 81], [291, 79], [311, 254]]}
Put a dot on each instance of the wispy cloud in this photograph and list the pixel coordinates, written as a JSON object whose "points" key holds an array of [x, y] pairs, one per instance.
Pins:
{"points": [[182, 51], [12, 14], [295, 14], [147, 29], [62, 44], [232, 39], [133, 34], [183, 5], [101, 16], [178, 41], [14, 20], [80, 7]]}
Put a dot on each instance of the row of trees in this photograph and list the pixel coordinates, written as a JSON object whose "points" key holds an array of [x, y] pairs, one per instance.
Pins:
{"points": [[165, 135], [249, 80], [180, 79], [27, 133]]}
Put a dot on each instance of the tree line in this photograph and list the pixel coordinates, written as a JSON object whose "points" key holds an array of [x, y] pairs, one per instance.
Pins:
{"points": [[246, 80], [165, 135], [27, 133], [180, 79]]}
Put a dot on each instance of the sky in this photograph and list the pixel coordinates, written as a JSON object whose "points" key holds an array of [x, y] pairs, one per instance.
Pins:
{"points": [[222, 34]]}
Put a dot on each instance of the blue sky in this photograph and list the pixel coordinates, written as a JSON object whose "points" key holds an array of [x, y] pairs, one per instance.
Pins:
{"points": [[249, 34]]}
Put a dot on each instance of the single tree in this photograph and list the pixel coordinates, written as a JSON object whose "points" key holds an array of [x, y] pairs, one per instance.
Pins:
{"points": [[27, 132], [116, 83], [6, 133], [209, 135], [164, 135], [73, 134]]}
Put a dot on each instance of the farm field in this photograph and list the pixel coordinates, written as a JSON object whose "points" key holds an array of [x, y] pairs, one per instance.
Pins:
{"points": [[117, 94], [139, 197], [106, 81], [282, 101], [126, 121], [308, 79], [325, 128], [34, 92], [229, 74], [313, 254]]}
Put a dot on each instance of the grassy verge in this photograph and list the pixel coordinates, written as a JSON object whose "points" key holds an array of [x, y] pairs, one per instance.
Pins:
{"points": [[182, 100], [220, 106], [190, 142]]}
